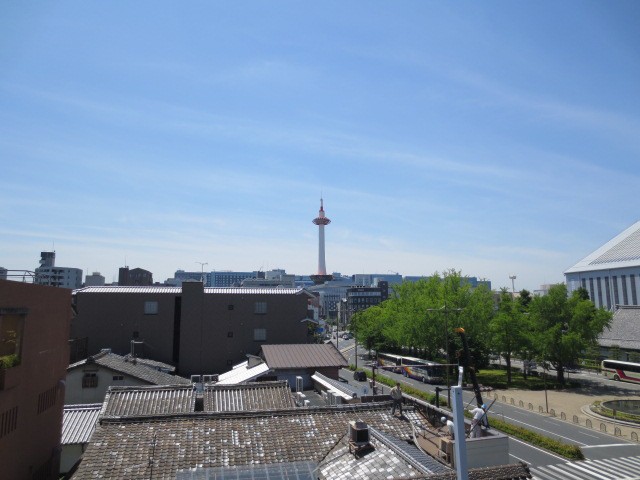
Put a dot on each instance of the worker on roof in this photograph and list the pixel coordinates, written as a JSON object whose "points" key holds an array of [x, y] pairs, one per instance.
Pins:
{"points": [[479, 419], [396, 396]]}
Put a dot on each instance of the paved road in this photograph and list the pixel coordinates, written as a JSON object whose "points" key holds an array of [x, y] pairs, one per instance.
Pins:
{"points": [[604, 453]]}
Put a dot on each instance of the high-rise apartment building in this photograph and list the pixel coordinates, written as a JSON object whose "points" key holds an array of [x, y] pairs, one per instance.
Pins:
{"points": [[49, 274]]}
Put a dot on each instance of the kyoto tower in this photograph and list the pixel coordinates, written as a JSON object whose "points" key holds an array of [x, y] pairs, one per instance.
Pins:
{"points": [[321, 221]]}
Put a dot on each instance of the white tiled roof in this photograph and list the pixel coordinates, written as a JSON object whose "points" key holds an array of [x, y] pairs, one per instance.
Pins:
{"points": [[619, 252], [78, 423], [178, 290]]}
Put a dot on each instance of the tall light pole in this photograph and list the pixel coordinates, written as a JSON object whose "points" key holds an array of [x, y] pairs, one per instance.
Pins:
{"points": [[446, 311], [513, 286], [202, 264]]}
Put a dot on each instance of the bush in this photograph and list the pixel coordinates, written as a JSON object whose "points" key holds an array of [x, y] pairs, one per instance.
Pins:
{"points": [[8, 361]]}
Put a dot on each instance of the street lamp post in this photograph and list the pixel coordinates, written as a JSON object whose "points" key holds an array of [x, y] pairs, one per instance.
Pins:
{"points": [[445, 310], [513, 286], [202, 264]]}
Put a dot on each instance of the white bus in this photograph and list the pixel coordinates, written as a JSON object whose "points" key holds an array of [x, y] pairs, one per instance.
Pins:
{"points": [[625, 371], [416, 368]]}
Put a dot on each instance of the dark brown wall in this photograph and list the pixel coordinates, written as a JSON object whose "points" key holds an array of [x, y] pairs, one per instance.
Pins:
{"points": [[33, 447], [109, 320], [205, 345]]}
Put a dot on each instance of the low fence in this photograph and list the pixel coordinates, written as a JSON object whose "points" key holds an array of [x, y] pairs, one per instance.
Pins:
{"points": [[575, 419]]}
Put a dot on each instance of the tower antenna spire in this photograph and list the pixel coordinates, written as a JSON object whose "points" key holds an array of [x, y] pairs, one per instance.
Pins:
{"points": [[321, 220]]}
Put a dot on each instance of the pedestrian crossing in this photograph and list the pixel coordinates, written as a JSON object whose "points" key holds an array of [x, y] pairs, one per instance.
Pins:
{"points": [[624, 468]]}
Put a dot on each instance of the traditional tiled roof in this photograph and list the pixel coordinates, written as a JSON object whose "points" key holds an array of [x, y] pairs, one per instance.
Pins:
{"points": [[136, 401], [619, 252], [251, 396], [624, 330], [311, 355], [178, 290], [132, 367], [389, 457], [514, 471], [78, 422], [138, 447]]}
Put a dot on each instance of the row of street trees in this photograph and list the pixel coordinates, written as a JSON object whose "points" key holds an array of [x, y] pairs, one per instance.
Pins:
{"points": [[420, 317]]}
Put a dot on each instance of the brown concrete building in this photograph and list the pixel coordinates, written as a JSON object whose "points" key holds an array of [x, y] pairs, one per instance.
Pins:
{"points": [[200, 330], [34, 334]]}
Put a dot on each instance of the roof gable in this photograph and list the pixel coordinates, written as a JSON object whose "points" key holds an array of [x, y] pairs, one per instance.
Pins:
{"points": [[619, 252]]}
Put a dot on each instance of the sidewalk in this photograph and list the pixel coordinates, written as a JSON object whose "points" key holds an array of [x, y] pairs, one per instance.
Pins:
{"points": [[573, 406]]}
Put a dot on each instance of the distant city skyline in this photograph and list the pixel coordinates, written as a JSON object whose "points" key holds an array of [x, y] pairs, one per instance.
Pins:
{"points": [[494, 138]]}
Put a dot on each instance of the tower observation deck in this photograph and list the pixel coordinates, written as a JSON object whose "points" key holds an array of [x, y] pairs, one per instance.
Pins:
{"points": [[321, 220]]}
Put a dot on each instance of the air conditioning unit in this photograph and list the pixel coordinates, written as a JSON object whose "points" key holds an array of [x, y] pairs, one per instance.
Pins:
{"points": [[358, 433], [299, 384]]}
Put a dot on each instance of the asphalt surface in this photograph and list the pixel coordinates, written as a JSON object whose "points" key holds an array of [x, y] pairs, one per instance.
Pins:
{"points": [[608, 457]]}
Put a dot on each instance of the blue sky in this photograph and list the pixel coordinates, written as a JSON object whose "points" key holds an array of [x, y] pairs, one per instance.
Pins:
{"points": [[495, 138]]}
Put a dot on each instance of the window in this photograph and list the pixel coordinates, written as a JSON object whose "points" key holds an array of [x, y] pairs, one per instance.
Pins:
{"points": [[117, 378], [259, 334], [151, 308], [260, 308], [90, 380]]}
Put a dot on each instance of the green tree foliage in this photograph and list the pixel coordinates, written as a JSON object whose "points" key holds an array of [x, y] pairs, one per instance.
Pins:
{"points": [[524, 300], [563, 327], [420, 317], [509, 329]]}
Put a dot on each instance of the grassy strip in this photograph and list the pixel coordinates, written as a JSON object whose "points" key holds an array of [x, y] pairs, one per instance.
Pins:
{"points": [[408, 389], [572, 452], [600, 409], [497, 378]]}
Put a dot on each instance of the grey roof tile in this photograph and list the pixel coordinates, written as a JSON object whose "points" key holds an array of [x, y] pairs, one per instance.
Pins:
{"points": [[251, 396], [624, 330], [303, 356], [137, 401], [138, 368]]}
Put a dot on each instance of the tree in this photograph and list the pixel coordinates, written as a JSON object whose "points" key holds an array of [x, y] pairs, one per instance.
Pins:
{"points": [[524, 300], [564, 327], [509, 330]]}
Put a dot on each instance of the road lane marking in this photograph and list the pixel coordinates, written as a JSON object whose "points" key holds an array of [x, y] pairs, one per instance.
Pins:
{"points": [[537, 448], [543, 430], [517, 458], [611, 445]]}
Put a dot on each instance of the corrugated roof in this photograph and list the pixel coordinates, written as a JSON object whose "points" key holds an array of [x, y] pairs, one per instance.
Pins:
{"points": [[136, 401], [132, 367], [178, 290], [251, 396], [241, 373], [624, 330], [310, 355], [78, 423], [619, 252]]}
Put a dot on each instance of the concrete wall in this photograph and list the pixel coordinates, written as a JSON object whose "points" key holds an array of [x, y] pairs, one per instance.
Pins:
{"points": [[70, 455], [37, 394]]}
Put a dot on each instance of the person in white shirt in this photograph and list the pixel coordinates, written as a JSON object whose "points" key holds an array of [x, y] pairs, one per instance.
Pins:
{"points": [[396, 396], [450, 428], [479, 419]]}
